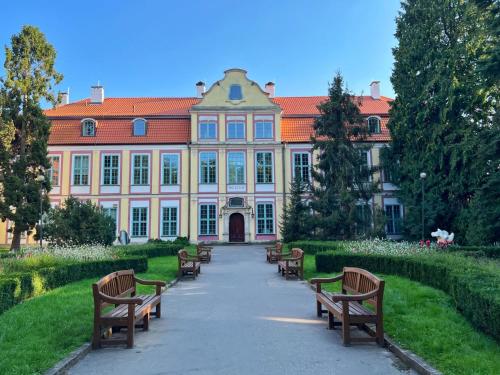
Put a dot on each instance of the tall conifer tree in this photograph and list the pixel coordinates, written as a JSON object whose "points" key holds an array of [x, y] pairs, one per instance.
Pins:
{"points": [[296, 220]]}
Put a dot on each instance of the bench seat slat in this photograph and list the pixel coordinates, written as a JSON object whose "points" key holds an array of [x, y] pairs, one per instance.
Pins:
{"points": [[122, 310]]}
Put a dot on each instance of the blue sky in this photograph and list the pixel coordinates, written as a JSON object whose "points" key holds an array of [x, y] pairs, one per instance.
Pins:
{"points": [[162, 48]]}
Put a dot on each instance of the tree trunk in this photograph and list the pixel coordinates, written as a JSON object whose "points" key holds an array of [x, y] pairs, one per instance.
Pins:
{"points": [[15, 245]]}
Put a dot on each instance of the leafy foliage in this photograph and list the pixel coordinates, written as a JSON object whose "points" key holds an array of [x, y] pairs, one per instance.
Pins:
{"points": [[296, 217], [78, 223]]}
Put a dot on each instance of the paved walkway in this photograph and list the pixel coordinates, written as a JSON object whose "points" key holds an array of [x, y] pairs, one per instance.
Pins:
{"points": [[239, 317]]}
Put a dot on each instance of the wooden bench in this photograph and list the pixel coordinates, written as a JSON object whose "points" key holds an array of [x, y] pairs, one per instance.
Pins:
{"points": [[204, 253], [273, 253], [358, 286], [119, 289], [292, 264], [188, 264]]}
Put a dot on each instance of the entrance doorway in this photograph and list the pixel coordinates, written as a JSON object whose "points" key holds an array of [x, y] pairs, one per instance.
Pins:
{"points": [[236, 228]]}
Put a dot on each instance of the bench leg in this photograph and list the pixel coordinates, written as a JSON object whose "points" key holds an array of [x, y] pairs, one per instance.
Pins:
{"points": [[380, 332], [158, 310], [346, 332], [130, 326], [331, 321], [319, 310], [145, 322], [96, 337]]}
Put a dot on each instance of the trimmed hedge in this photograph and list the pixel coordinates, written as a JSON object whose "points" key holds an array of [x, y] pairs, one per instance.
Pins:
{"points": [[314, 247], [475, 288], [476, 251], [16, 287], [151, 249]]}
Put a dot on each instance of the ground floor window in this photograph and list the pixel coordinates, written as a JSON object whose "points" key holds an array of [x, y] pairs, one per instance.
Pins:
{"points": [[112, 212], [208, 219], [363, 219], [139, 222], [265, 218], [394, 218], [169, 222]]}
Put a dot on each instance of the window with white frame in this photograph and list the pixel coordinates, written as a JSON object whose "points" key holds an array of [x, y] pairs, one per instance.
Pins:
{"points": [[140, 169], [208, 219], [393, 215], [139, 127], [363, 218], [139, 221], [263, 129], [301, 166], [208, 167], [365, 165], [264, 166], [265, 218], [110, 169], [169, 222], [374, 125], [80, 169], [112, 212], [88, 128], [170, 167], [208, 129], [236, 129], [235, 168], [53, 171]]}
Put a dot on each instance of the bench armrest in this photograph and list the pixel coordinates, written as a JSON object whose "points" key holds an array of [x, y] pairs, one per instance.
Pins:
{"points": [[150, 282], [120, 300], [319, 281], [354, 297]]}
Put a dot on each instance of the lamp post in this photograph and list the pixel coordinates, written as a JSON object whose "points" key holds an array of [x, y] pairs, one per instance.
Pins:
{"points": [[423, 175], [41, 178]]}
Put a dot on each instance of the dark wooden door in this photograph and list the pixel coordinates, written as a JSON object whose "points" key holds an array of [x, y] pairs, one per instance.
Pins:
{"points": [[236, 228]]}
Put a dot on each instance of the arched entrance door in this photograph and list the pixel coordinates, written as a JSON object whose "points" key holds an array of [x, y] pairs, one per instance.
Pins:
{"points": [[236, 228]]}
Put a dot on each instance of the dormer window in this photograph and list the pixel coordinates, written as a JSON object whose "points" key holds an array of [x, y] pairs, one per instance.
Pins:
{"points": [[139, 127], [88, 128], [374, 125], [235, 92]]}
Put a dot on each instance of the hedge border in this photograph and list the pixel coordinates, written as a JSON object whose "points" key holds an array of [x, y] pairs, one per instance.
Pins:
{"points": [[475, 291], [150, 250], [314, 247], [17, 287]]}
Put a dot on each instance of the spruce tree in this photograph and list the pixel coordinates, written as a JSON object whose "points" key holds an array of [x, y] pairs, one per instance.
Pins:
{"points": [[341, 176], [29, 78], [441, 111], [296, 219]]}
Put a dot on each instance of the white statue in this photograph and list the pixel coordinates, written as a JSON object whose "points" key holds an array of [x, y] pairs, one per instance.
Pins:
{"points": [[443, 237]]}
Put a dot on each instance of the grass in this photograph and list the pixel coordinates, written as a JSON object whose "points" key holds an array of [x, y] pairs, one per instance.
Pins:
{"points": [[41, 331], [425, 321]]}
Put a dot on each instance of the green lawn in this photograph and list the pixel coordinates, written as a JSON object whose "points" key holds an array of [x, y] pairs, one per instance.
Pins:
{"points": [[33, 338], [425, 321]]}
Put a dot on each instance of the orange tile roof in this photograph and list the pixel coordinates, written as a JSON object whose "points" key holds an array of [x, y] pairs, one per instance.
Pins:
{"points": [[298, 116], [117, 131]]}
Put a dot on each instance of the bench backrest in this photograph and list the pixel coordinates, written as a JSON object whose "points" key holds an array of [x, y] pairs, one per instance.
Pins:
{"points": [[279, 247], [182, 257], [116, 284], [360, 281], [298, 255]]}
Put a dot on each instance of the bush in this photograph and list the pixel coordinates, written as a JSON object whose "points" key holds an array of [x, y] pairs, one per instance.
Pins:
{"points": [[476, 251], [473, 285], [17, 287], [151, 249], [78, 223], [313, 247]]}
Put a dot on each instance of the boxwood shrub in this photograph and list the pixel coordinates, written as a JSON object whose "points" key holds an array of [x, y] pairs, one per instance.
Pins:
{"points": [[314, 247], [477, 251], [150, 249], [16, 287], [473, 285]]}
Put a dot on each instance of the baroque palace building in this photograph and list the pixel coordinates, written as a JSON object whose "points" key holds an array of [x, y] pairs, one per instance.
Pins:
{"points": [[216, 167]]}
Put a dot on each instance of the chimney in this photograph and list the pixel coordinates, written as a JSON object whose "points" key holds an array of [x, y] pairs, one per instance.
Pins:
{"points": [[375, 89], [64, 98], [97, 94], [269, 88], [200, 89]]}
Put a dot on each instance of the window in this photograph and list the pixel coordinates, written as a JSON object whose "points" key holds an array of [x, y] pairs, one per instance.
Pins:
{"points": [[363, 219], [208, 219], [139, 221], [110, 169], [393, 216], [373, 124], [236, 168], [139, 127], [112, 212], [208, 129], [301, 165], [365, 172], [235, 92], [208, 167], [81, 170], [88, 128], [141, 169], [170, 165], [236, 130], [264, 167], [53, 171], [265, 218], [264, 129], [169, 222]]}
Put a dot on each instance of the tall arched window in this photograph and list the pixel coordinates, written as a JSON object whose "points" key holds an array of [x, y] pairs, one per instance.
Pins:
{"points": [[139, 127], [88, 128], [374, 124]]}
